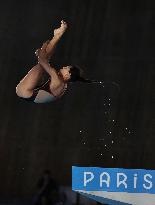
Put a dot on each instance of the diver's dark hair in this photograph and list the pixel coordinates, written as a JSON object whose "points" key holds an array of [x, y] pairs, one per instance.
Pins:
{"points": [[77, 75]]}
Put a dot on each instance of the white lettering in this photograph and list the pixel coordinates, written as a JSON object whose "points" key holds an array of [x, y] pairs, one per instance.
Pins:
{"points": [[150, 183], [89, 179], [119, 182], [107, 180], [135, 181]]}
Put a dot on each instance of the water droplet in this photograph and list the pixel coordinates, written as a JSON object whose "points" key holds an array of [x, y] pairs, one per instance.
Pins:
{"points": [[110, 132], [112, 157], [112, 141]]}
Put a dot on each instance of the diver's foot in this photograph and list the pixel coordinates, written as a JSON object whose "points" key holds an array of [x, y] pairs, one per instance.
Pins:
{"points": [[60, 31]]}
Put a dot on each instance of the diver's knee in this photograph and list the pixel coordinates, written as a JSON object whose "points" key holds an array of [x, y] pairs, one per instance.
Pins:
{"points": [[22, 91]]}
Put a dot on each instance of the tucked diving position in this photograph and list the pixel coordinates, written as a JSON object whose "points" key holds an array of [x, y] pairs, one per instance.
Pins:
{"points": [[30, 87]]}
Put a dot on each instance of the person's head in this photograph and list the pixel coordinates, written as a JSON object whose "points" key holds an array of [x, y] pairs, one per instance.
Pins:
{"points": [[71, 73]]}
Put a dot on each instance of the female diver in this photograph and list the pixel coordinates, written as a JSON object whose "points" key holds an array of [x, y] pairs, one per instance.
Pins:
{"points": [[29, 87]]}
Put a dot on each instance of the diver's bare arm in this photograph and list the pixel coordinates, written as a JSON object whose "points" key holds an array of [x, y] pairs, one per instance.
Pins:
{"points": [[57, 36], [50, 70]]}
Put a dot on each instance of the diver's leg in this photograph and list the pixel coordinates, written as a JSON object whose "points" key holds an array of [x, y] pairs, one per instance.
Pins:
{"points": [[30, 81], [51, 46], [57, 36]]}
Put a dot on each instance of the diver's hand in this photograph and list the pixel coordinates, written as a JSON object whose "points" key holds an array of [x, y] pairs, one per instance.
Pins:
{"points": [[42, 54]]}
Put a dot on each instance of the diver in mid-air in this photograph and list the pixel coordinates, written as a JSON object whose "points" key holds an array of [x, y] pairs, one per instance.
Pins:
{"points": [[29, 87]]}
